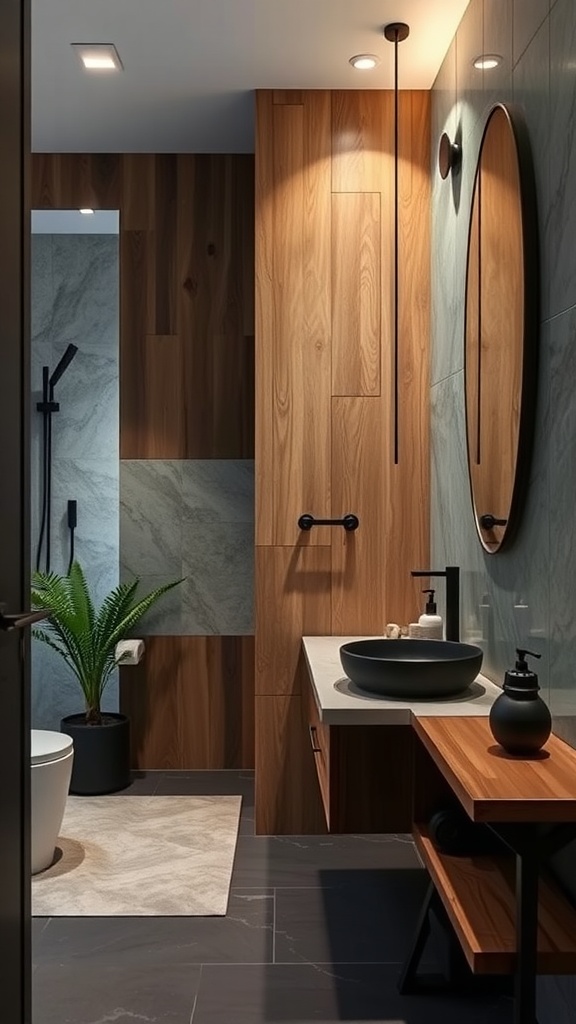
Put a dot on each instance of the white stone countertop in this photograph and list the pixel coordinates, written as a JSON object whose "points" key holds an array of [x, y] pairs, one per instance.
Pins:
{"points": [[340, 702]]}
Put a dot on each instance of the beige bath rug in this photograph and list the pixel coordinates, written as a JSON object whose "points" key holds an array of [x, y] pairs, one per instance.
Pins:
{"points": [[141, 855]]}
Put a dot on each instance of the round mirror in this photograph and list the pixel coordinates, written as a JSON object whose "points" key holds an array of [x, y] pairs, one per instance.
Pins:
{"points": [[501, 331]]}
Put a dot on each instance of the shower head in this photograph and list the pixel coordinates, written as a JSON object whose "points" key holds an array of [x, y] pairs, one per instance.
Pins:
{"points": [[63, 364]]}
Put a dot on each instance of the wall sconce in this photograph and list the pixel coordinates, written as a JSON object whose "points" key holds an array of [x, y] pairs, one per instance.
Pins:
{"points": [[395, 33], [449, 156]]}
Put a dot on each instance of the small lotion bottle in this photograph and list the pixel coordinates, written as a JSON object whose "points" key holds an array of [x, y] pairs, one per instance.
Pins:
{"points": [[432, 627]]}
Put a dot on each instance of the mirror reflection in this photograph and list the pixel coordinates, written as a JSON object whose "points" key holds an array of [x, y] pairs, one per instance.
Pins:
{"points": [[501, 325]]}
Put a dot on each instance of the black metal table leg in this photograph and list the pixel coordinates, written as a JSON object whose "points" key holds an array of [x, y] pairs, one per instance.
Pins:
{"points": [[407, 980], [526, 937]]}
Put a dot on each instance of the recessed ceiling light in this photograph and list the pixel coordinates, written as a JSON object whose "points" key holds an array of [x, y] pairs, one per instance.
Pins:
{"points": [[86, 210], [364, 61], [487, 61], [98, 56]]}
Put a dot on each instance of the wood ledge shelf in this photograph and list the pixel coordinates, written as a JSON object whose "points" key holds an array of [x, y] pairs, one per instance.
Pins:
{"points": [[493, 786], [478, 894]]}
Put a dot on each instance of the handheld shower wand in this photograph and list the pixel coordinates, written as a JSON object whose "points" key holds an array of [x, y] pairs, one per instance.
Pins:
{"points": [[48, 406]]}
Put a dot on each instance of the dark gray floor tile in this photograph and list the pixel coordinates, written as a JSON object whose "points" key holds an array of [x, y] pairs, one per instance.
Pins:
{"points": [[244, 935], [308, 993], [264, 861], [369, 917], [86, 993]]}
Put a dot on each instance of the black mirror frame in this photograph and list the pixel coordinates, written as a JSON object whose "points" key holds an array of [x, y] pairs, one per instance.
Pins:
{"points": [[531, 322]]}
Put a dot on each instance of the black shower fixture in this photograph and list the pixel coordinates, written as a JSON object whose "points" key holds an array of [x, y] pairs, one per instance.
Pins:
{"points": [[48, 406], [63, 365]]}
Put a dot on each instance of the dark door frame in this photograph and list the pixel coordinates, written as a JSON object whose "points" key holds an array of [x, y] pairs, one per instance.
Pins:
{"points": [[15, 972]]}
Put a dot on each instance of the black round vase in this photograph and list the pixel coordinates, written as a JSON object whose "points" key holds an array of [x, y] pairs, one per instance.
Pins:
{"points": [[101, 754], [520, 722]]}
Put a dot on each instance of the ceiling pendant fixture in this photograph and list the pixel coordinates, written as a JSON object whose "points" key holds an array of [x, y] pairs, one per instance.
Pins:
{"points": [[396, 32]]}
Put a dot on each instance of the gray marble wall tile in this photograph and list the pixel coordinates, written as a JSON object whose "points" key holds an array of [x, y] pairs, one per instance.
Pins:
{"points": [[85, 467], [191, 519], [86, 292], [88, 421], [41, 290], [218, 490], [562, 455], [498, 18], [528, 16], [561, 251], [151, 517], [531, 93], [469, 80], [218, 562]]}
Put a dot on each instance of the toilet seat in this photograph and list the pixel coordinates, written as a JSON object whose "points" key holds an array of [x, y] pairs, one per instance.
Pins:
{"points": [[48, 746]]}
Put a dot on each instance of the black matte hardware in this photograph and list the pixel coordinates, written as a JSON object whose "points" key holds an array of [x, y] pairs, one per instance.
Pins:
{"points": [[449, 156], [315, 748], [19, 620], [488, 521], [452, 574], [349, 522]]}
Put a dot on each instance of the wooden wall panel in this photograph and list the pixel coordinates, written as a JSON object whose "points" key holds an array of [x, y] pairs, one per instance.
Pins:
{"points": [[335, 410], [187, 391], [293, 599], [186, 251], [359, 584], [287, 795], [362, 140], [191, 703], [356, 289]]}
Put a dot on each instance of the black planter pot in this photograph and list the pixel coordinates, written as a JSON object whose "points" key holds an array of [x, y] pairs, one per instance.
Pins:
{"points": [[101, 754]]}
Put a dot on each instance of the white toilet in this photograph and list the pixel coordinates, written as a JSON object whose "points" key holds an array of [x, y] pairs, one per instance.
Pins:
{"points": [[51, 768]]}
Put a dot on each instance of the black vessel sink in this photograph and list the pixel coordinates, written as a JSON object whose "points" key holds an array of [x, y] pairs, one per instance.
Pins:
{"points": [[411, 668]]}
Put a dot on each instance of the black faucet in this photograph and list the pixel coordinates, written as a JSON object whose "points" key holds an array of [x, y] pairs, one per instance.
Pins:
{"points": [[452, 574]]}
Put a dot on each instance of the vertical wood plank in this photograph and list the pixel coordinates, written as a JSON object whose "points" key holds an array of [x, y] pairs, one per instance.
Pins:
{"points": [[356, 277], [134, 251], [264, 453], [287, 793], [165, 220], [362, 139], [162, 433], [293, 599], [359, 571], [191, 703]]}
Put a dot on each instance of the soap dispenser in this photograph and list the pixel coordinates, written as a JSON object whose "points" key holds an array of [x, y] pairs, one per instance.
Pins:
{"points": [[519, 719], [433, 627]]}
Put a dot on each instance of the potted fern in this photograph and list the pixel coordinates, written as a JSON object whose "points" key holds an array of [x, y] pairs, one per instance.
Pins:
{"points": [[86, 639]]}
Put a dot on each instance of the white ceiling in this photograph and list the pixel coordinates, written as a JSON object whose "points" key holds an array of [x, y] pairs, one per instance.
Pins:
{"points": [[190, 66]]}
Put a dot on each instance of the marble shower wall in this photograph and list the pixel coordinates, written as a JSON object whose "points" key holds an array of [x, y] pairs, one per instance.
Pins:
{"points": [[527, 594], [193, 519], [74, 298]]}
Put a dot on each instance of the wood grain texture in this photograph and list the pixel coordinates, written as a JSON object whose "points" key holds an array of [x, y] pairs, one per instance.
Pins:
{"points": [[186, 269], [324, 262], [293, 599], [362, 140], [494, 786], [356, 284], [191, 703], [287, 796], [497, 325], [479, 896], [264, 454], [359, 583]]}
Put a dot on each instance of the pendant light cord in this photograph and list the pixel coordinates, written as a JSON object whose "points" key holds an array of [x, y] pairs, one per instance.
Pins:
{"points": [[396, 244], [395, 33]]}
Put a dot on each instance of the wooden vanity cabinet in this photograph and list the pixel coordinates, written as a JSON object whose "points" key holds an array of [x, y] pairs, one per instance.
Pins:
{"points": [[364, 773]]}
